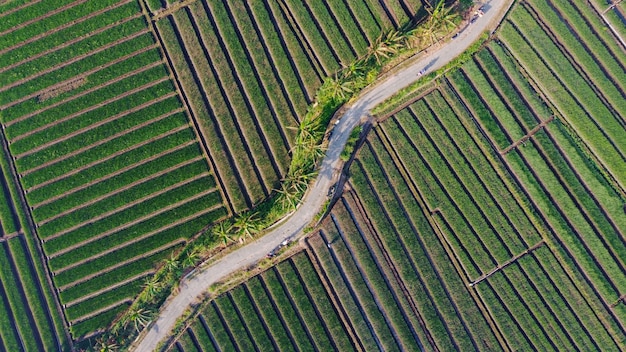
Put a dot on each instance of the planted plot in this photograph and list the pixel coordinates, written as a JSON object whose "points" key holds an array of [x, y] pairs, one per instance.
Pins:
{"points": [[248, 70], [112, 170], [567, 76], [281, 309], [579, 205]]}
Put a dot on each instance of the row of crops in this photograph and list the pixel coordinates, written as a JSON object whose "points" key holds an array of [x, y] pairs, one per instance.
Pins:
{"points": [[30, 316], [248, 70], [474, 220], [284, 309], [581, 70], [487, 220], [111, 168]]}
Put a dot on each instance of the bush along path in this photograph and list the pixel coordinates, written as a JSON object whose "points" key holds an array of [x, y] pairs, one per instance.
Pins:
{"points": [[316, 160]]}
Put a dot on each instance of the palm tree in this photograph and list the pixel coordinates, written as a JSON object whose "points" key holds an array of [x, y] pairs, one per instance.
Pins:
{"points": [[440, 21], [172, 266], [247, 224], [354, 71], [106, 345], [191, 258], [223, 232], [152, 286], [138, 317], [338, 88]]}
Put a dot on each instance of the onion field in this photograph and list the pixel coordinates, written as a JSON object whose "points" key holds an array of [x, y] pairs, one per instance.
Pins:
{"points": [[111, 168], [285, 308], [32, 319], [248, 70], [487, 215]]}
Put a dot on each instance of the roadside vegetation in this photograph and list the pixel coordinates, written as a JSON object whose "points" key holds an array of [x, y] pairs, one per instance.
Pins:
{"points": [[482, 214]]}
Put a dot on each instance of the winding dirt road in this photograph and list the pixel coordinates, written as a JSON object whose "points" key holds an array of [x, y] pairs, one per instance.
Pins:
{"points": [[291, 228]]}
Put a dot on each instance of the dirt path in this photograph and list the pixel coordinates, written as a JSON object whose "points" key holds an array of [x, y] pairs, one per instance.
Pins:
{"points": [[192, 288], [527, 136]]}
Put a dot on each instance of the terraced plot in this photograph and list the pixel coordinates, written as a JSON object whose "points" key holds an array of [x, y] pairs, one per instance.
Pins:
{"points": [[285, 308], [248, 70], [581, 71], [111, 167], [31, 317], [514, 265]]}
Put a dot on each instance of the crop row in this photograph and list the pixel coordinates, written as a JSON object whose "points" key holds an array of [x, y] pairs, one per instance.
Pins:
{"points": [[144, 124], [110, 223], [46, 60], [461, 197], [34, 14], [376, 281], [94, 79], [595, 60], [580, 80], [45, 136], [254, 96], [23, 302], [563, 190], [240, 90], [200, 109], [283, 309], [50, 41], [414, 255], [343, 294], [102, 191], [588, 128], [576, 195], [215, 111], [16, 89], [447, 182], [524, 312], [23, 251]]}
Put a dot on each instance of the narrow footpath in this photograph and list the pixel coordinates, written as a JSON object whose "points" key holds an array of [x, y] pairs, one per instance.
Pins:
{"points": [[193, 287]]}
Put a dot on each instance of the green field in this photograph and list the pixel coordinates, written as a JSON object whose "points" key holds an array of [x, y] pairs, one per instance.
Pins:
{"points": [[487, 215], [111, 168], [285, 308], [248, 70]]}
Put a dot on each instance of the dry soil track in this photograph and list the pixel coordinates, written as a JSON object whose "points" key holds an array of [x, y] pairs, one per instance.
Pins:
{"points": [[194, 286]]}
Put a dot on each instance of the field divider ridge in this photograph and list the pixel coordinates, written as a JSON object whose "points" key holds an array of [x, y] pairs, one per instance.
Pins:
{"points": [[120, 264], [48, 14], [505, 264], [111, 156], [73, 60], [83, 74], [89, 109], [133, 203]]}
